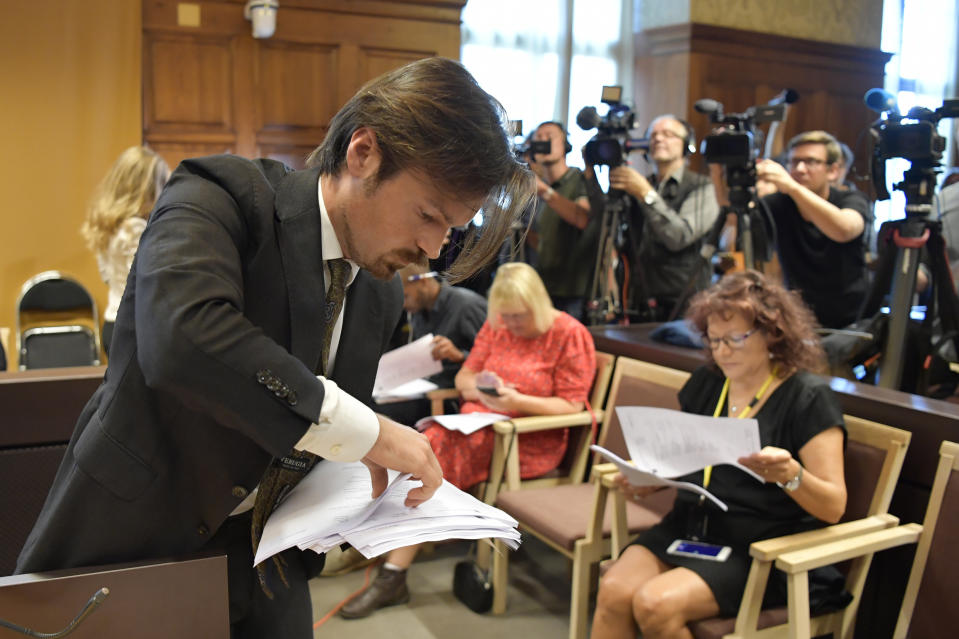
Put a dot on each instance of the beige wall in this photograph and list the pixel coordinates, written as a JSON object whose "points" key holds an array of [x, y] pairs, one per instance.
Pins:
{"points": [[71, 104], [855, 22]]}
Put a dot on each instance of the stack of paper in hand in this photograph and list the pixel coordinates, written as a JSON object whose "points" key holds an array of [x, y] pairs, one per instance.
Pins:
{"points": [[400, 371], [665, 443], [332, 506]]}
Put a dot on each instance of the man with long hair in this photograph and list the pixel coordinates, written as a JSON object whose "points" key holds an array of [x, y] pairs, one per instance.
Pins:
{"points": [[248, 337]]}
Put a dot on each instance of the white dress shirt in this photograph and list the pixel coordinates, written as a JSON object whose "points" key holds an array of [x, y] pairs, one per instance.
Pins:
{"points": [[346, 428]]}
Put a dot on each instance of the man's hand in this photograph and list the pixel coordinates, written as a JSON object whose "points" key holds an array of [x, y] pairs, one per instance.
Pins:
{"points": [[443, 348], [402, 448], [542, 188], [628, 179], [776, 174]]}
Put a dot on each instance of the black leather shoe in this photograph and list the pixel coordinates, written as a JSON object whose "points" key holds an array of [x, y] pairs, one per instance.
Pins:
{"points": [[388, 589]]}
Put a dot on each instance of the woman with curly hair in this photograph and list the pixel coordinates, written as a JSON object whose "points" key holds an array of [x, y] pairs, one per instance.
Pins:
{"points": [[116, 218], [761, 343]]}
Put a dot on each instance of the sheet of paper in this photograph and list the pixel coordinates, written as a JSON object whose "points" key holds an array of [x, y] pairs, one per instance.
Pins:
{"points": [[406, 363], [638, 477], [466, 423], [415, 389], [670, 443], [333, 505], [331, 498]]}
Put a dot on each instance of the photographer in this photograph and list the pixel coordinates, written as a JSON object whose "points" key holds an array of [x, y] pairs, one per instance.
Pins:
{"points": [[671, 212], [566, 241], [819, 228]]}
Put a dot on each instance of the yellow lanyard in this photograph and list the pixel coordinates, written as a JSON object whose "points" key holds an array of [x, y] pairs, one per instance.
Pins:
{"points": [[708, 471]]}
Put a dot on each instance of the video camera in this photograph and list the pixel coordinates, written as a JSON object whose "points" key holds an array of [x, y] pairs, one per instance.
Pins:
{"points": [[611, 144], [527, 146], [733, 143], [914, 137]]}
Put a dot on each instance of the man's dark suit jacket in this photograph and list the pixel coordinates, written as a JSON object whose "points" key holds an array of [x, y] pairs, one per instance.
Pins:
{"points": [[227, 283]]}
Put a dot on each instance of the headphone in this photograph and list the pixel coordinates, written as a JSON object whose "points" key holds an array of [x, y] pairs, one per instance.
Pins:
{"points": [[568, 147], [689, 142]]}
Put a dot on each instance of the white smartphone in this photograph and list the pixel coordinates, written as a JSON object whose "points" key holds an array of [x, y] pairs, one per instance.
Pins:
{"points": [[699, 550]]}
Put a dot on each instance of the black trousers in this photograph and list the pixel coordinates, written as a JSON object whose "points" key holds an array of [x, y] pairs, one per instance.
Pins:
{"points": [[253, 615]]}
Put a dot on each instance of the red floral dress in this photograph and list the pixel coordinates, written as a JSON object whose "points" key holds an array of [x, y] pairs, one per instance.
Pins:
{"points": [[559, 363]]}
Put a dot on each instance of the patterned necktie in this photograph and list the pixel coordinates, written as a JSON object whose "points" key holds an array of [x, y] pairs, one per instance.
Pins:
{"points": [[286, 472]]}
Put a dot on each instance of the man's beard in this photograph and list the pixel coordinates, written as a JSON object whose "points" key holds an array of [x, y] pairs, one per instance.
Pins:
{"points": [[383, 267]]}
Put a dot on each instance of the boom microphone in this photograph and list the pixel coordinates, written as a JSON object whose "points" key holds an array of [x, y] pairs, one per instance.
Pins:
{"points": [[708, 106], [786, 96], [588, 118], [880, 101]]}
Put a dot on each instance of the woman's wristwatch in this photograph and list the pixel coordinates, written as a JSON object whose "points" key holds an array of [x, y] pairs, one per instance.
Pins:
{"points": [[793, 483]]}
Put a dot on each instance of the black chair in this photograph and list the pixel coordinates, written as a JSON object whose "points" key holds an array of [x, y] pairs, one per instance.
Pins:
{"points": [[57, 323]]}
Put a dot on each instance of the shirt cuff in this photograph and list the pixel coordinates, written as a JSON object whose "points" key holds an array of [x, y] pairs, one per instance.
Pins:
{"points": [[345, 430]]}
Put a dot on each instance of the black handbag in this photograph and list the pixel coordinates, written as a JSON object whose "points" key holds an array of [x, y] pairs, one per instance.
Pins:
{"points": [[472, 586]]}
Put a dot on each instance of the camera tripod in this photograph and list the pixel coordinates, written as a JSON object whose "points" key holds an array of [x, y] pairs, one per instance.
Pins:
{"points": [[899, 267], [603, 303], [754, 229]]}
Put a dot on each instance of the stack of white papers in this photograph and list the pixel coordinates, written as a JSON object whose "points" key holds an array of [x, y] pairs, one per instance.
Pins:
{"points": [[466, 423], [332, 506], [666, 443]]}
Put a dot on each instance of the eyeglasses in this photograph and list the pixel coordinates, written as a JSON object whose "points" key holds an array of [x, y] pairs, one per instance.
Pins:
{"points": [[811, 163], [733, 340], [665, 133]]}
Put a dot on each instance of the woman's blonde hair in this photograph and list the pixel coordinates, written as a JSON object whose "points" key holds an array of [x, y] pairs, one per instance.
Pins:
{"points": [[129, 189], [518, 282]]}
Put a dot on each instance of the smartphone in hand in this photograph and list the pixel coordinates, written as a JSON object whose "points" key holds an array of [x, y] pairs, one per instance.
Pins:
{"points": [[488, 390]]}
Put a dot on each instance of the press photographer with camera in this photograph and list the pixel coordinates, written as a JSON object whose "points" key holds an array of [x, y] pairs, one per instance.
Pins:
{"points": [[818, 227], [671, 211], [566, 242]]}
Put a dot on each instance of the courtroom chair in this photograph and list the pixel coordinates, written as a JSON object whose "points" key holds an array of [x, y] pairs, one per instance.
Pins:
{"points": [[187, 599], [56, 323], [504, 464], [873, 459], [929, 608], [572, 518]]}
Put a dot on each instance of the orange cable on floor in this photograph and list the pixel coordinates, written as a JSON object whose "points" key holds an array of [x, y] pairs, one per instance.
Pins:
{"points": [[336, 608]]}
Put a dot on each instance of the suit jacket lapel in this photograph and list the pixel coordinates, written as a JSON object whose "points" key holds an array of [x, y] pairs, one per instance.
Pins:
{"points": [[299, 237]]}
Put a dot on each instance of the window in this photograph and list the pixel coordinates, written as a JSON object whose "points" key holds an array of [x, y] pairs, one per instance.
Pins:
{"points": [[922, 72], [546, 59]]}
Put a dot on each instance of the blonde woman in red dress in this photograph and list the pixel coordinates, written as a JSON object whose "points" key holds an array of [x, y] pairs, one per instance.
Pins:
{"points": [[542, 362]]}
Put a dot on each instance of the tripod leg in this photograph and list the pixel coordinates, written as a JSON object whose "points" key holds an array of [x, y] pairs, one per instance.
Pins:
{"points": [[903, 288]]}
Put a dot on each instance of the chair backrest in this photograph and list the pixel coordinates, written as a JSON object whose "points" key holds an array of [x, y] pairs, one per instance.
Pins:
{"points": [[873, 460], [637, 383], [57, 323], [577, 452], [929, 606]]}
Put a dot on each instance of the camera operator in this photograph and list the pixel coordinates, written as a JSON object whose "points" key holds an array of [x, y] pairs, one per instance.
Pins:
{"points": [[819, 227], [671, 212], [567, 242]]}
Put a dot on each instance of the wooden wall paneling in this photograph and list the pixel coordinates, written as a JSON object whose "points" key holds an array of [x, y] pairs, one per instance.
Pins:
{"points": [[679, 64], [276, 96], [189, 83]]}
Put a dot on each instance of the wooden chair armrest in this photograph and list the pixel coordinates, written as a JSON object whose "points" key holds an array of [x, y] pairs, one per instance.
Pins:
{"points": [[438, 396], [771, 549], [848, 548], [605, 472], [442, 393], [545, 422]]}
